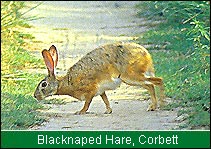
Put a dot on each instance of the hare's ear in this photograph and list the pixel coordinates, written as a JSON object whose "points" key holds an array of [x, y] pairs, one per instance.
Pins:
{"points": [[48, 62], [54, 54]]}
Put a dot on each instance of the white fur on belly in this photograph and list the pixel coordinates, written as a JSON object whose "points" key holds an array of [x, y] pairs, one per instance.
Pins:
{"points": [[108, 85]]}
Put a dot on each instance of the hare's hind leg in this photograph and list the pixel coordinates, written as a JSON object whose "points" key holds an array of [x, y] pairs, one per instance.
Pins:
{"points": [[158, 82], [105, 99], [148, 82], [151, 89]]}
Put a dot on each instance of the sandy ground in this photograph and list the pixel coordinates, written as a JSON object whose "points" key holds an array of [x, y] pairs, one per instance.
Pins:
{"points": [[76, 28]]}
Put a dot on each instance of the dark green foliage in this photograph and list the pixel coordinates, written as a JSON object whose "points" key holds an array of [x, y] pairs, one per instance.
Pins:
{"points": [[19, 110], [182, 42]]}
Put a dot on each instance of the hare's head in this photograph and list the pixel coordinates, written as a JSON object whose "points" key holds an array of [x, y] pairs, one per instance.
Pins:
{"points": [[49, 85]]}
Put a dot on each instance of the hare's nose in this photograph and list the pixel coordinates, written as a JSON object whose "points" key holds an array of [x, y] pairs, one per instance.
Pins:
{"points": [[38, 97], [35, 96]]}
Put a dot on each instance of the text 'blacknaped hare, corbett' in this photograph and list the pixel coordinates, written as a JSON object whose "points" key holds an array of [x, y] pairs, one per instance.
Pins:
{"points": [[100, 70]]}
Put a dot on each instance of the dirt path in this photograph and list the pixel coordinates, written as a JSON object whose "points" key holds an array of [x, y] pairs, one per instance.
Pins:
{"points": [[76, 28]]}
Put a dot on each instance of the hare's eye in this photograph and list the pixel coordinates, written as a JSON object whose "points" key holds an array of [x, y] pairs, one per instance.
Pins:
{"points": [[44, 84]]}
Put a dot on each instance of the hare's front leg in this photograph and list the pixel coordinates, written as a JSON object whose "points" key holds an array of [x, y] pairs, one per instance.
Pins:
{"points": [[105, 99], [86, 106]]}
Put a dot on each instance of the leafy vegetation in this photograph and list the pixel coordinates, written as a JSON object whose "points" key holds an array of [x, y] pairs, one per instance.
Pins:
{"points": [[18, 107], [182, 54]]}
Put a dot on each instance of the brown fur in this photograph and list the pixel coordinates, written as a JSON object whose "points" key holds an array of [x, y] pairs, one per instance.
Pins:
{"points": [[101, 70]]}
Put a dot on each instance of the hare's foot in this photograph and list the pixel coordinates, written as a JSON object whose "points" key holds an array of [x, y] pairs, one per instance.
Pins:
{"points": [[105, 99], [152, 107], [80, 112], [85, 108], [108, 111]]}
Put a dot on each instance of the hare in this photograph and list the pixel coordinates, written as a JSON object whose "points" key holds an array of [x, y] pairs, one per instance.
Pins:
{"points": [[102, 69]]}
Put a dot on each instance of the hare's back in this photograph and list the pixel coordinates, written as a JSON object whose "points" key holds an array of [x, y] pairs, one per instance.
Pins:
{"points": [[112, 56]]}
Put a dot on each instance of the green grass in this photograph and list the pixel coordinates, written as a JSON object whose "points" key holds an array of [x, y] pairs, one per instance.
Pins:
{"points": [[182, 56], [16, 58], [19, 109], [186, 84], [18, 106]]}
